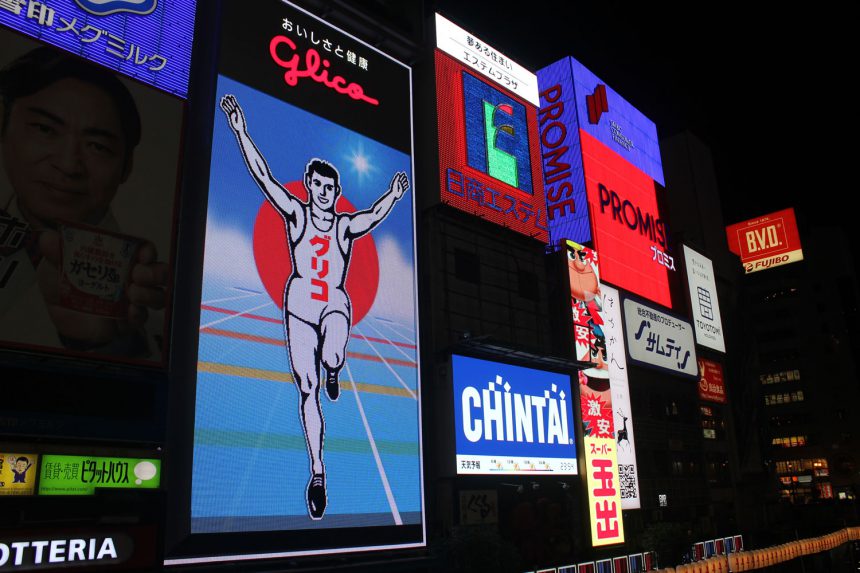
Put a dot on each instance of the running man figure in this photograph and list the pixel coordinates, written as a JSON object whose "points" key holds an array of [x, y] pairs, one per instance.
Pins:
{"points": [[317, 309]]}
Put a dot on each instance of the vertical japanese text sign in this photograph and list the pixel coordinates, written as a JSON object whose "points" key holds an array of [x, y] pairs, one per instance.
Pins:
{"points": [[613, 330], [601, 462]]}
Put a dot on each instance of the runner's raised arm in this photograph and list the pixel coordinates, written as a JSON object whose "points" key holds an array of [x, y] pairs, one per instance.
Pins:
{"points": [[279, 197], [365, 221]]}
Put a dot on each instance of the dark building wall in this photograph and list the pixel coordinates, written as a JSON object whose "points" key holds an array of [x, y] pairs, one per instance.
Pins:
{"points": [[804, 322]]}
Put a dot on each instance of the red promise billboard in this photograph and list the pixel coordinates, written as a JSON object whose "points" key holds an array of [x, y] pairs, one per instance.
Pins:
{"points": [[629, 232], [767, 241]]}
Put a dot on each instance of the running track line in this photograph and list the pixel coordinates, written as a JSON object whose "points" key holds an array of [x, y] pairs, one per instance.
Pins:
{"points": [[395, 513], [226, 318], [280, 342], [277, 376], [230, 298], [278, 321], [385, 340], [389, 325], [387, 365]]}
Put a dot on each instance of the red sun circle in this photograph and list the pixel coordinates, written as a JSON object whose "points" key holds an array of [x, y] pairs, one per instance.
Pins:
{"points": [[272, 256]]}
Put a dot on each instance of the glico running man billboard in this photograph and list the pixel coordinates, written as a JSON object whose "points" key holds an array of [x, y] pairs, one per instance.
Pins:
{"points": [[489, 155], [512, 419], [307, 384]]}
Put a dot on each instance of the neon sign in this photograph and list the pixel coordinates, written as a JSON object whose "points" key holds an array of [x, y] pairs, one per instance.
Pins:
{"points": [[313, 62]]}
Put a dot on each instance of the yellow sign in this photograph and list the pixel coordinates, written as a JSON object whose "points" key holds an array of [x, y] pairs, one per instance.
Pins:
{"points": [[18, 473], [604, 495]]}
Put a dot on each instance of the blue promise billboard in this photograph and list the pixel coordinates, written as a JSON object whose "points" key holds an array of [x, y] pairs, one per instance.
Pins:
{"points": [[512, 419], [574, 101], [148, 40]]}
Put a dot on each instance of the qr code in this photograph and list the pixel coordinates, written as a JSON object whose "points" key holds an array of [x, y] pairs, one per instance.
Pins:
{"points": [[627, 479]]}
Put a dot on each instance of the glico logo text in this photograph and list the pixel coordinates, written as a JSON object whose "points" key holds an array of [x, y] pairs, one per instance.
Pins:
{"points": [[626, 213], [496, 413], [316, 68], [497, 137]]}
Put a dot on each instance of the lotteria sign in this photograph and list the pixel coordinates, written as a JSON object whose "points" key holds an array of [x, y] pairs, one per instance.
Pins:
{"points": [[26, 555], [512, 419], [128, 548], [765, 242]]}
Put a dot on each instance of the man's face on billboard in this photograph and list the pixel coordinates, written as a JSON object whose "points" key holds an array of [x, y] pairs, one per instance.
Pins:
{"points": [[65, 153], [322, 190]]}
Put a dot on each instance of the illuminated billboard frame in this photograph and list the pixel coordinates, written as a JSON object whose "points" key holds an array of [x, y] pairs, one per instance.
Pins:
{"points": [[148, 40], [659, 339], [74, 299], [704, 302], [595, 396], [83, 475], [575, 102], [630, 230], [712, 383], [767, 241], [489, 150], [628, 469], [338, 462], [512, 420]]}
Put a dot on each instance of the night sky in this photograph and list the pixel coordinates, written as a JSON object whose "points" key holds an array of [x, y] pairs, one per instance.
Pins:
{"points": [[765, 91]]}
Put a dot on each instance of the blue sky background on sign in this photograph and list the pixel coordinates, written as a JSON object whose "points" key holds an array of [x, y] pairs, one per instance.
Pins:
{"points": [[250, 457]]}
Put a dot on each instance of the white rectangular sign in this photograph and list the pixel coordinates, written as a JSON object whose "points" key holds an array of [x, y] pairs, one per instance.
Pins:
{"points": [[628, 475], [659, 339], [486, 60], [704, 302]]}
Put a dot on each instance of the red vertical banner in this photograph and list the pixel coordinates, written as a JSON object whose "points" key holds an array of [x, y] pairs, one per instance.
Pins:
{"points": [[586, 302]]}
